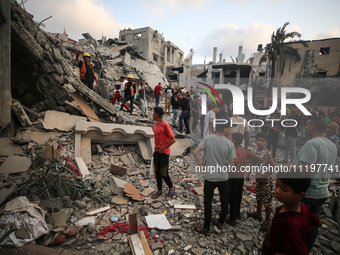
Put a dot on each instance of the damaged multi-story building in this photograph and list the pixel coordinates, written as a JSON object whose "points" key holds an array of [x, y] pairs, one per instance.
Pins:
{"points": [[152, 45]]}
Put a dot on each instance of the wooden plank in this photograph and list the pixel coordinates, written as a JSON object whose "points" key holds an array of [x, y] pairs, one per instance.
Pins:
{"points": [[145, 244], [18, 9], [72, 105], [100, 210], [85, 107], [131, 245], [5, 63], [133, 223]]}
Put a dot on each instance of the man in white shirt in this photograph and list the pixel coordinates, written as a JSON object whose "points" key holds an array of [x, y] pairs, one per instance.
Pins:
{"points": [[209, 121]]}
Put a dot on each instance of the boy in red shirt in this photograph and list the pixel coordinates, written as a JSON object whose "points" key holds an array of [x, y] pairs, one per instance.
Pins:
{"points": [[293, 221], [236, 179], [164, 138]]}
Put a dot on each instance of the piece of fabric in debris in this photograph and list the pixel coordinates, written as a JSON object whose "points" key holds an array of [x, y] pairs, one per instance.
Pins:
{"points": [[122, 228], [251, 189], [23, 214]]}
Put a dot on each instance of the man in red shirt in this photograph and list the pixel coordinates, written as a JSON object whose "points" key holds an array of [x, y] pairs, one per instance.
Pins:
{"points": [[164, 138], [157, 93]]}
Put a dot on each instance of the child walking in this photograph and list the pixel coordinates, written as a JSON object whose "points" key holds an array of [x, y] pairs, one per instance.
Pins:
{"points": [[236, 179], [293, 221], [264, 181]]}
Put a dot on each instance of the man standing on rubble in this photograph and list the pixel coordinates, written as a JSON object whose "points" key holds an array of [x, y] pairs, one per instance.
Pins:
{"points": [[122, 85], [167, 96], [184, 103], [129, 93], [143, 90], [164, 138], [86, 70], [157, 93]]}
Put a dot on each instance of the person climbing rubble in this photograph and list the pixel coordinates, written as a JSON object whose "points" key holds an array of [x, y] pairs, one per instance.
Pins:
{"points": [[129, 93], [87, 75]]}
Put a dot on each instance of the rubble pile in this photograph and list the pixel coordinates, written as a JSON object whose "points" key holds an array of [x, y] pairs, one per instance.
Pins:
{"points": [[77, 216], [53, 72]]}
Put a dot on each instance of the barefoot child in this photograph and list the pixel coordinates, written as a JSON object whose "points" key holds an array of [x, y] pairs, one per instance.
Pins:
{"points": [[264, 181], [293, 221]]}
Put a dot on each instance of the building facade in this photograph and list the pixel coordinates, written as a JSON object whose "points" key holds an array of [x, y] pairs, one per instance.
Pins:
{"points": [[153, 46]]}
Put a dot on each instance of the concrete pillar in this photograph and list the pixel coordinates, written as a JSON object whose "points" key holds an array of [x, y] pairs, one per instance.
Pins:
{"points": [[238, 74], [222, 76], [220, 59], [214, 55], [5, 63]]}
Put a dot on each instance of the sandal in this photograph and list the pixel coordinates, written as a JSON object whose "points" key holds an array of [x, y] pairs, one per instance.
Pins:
{"points": [[200, 229], [216, 223], [156, 194], [171, 192], [265, 226], [255, 216]]}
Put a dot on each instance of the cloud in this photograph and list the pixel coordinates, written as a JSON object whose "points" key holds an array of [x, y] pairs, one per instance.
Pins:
{"points": [[77, 17], [159, 7], [228, 37], [323, 35]]}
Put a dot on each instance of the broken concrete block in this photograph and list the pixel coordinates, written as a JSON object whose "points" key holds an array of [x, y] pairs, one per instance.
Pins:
{"points": [[60, 120], [126, 160], [22, 233], [15, 164], [119, 200], [117, 186], [61, 217], [85, 221], [147, 191], [82, 166], [243, 236]]}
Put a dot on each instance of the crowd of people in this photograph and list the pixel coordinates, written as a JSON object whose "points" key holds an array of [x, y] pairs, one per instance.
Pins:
{"points": [[294, 227]]}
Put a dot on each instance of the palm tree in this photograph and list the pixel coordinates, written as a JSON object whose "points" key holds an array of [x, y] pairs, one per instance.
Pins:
{"points": [[277, 50]]}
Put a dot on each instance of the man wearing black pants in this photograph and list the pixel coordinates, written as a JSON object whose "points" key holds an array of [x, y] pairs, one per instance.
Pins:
{"points": [[129, 93], [218, 150], [164, 138]]}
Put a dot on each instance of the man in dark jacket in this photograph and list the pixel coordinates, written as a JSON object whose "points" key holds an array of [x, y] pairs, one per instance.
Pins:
{"points": [[184, 104], [175, 107]]}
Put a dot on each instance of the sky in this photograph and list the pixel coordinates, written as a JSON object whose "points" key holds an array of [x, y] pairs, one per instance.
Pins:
{"points": [[192, 24]]}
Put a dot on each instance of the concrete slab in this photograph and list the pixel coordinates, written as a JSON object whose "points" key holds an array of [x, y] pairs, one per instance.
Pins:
{"points": [[8, 148], [39, 137], [60, 120], [15, 164], [119, 200], [180, 147]]}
